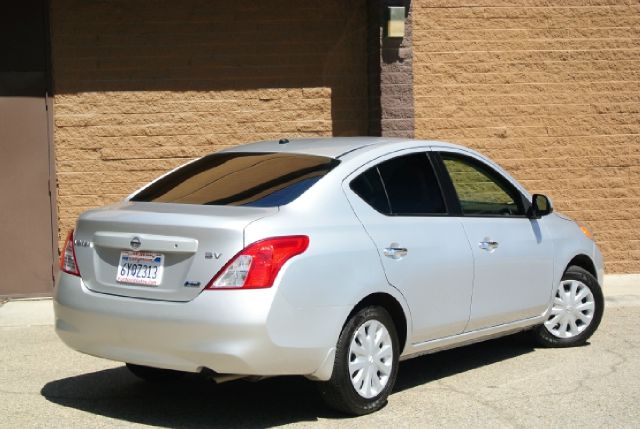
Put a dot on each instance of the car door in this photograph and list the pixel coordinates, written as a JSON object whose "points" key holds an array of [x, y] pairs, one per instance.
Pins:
{"points": [[424, 251], [513, 254]]}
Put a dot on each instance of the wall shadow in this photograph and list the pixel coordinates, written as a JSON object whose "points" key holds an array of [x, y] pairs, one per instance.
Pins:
{"points": [[197, 45], [194, 402]]}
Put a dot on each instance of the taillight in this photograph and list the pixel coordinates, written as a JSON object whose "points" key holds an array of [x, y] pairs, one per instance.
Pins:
{"points": [[68, 262], [257, 265]]}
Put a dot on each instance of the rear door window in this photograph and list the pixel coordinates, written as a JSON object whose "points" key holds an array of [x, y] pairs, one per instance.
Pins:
{"points": [[404, 185], [369, 187], [240, 179]]}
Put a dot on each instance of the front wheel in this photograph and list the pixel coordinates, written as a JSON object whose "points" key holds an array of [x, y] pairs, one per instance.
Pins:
{"points": [[577, 309], [366, 363]]}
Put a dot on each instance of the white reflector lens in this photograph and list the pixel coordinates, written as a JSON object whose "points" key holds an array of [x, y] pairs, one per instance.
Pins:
{"points": [[236, 273]]}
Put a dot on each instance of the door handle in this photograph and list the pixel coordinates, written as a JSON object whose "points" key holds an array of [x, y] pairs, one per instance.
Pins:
{"points": [[395, 252], [488, 245]]}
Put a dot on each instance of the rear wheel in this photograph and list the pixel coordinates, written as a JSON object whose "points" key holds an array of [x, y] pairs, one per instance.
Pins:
{"points": [[154, 375], [577, 309], [366, 363]]}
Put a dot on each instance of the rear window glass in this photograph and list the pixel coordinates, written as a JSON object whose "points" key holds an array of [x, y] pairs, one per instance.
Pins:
{"points": [[240, 179]]}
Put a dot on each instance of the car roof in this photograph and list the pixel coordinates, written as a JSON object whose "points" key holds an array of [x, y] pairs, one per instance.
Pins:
{"points": [[332, 147], [358, 148]]}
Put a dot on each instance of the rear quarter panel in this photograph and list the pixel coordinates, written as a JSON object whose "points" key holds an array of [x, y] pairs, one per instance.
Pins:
{"points": [[318, 289]]}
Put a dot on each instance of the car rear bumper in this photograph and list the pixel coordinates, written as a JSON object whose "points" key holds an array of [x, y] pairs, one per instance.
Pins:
{"points": [[248, 332]]}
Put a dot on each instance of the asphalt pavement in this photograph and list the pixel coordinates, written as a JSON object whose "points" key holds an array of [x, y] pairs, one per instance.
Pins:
{"points": [[504, 383]]}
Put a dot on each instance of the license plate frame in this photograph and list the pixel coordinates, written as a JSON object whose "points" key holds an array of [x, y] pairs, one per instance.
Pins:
{"points": [[140, 268]]}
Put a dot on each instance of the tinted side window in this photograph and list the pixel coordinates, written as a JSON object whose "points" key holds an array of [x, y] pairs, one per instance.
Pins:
{"points": [[368, 186], [411, 185], [480, 190]]}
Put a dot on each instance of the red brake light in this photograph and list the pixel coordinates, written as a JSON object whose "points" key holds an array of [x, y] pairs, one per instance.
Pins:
{"points": [[68, 262], [258, 264]]}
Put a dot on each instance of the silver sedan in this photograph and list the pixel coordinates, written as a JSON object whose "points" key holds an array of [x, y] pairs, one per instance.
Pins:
{"points": [[328, 258]]}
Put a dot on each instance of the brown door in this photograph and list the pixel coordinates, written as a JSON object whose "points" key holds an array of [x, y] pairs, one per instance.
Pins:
{"points": [[25, 215], [26, 252]]}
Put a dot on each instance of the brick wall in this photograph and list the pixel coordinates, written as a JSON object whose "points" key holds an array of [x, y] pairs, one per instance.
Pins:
{"points": [[143, 86], [551, 91]]}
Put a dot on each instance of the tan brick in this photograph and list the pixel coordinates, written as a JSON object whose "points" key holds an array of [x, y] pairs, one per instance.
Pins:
{"points": [[548, 89], [140, 92]]}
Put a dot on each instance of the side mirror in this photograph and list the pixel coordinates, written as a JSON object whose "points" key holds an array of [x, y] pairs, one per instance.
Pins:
{"points": [[540, 206]]}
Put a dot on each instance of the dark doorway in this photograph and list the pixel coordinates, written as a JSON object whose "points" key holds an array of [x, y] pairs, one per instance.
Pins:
{"points": [[27, 252]]}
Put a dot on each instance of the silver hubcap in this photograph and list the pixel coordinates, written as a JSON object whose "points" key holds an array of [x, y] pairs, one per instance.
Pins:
{"points": [[572, 311], [370, 358]]}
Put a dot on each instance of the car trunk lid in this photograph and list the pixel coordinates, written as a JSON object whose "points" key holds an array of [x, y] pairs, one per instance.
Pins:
{"points": [[157, 250]]}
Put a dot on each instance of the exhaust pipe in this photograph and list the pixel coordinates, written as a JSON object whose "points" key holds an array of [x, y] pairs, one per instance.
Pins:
{"points": [[223, 378], [220, 378]]}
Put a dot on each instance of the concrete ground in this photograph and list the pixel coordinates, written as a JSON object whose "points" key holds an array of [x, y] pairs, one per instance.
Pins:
{"points": [[504, 383]]}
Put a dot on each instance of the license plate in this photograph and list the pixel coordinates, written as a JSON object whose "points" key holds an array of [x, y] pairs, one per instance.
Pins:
{"points": [[140, 268]]}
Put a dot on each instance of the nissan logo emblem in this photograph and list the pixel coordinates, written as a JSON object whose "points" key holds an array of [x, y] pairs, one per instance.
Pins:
{"points": [[135, 243]]}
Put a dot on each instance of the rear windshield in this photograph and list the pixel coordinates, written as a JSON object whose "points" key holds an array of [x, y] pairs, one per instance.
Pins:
{"points": [[240, 179]]}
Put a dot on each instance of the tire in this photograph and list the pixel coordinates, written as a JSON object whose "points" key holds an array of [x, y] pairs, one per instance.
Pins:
{"points": [[377, 374], [585, 311], [154, 375]]}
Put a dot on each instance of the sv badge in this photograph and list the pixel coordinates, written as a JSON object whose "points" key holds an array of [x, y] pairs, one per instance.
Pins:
{"points": [[211, 255]]}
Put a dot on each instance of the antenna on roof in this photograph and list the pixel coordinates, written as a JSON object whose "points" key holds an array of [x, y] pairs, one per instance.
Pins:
{"points": [[283, 141]]}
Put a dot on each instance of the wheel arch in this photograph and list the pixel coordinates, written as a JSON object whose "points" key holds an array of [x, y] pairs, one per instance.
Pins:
{"points": [[584, 262], [393, 307]]}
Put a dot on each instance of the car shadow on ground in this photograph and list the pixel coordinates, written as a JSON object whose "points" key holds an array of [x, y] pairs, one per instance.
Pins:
{"points": [[194, 402]]}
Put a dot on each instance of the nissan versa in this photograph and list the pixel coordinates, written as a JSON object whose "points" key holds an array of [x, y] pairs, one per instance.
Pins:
{"points": [[328, 258]]}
